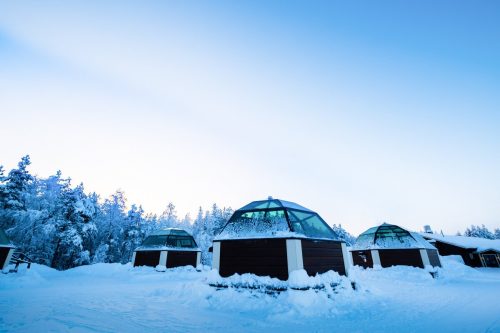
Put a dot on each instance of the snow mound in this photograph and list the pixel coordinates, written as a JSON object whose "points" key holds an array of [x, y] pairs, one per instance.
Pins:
{"points": [[122, 298]]}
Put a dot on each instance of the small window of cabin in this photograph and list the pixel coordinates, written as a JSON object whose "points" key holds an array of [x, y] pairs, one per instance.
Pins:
{"points": [[181, 241]]}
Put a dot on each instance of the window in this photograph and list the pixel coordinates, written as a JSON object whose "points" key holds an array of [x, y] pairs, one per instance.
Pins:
{"points": [[256, 223], [180, 241], [169, 240], [156, 240], [309, 224]]}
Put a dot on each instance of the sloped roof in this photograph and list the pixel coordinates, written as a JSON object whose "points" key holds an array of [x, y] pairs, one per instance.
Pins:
{"points": [[390, 236], [475, 243]]}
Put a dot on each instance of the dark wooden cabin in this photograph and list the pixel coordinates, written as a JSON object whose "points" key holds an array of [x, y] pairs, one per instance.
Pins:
{"points": [[390, 245], [275, 237], [475, 251], [167, 248], [6, 250]]}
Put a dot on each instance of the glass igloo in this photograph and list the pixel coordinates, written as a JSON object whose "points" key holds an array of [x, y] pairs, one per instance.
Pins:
{"points": [[389, 245], [275, 237], [167, 248]]}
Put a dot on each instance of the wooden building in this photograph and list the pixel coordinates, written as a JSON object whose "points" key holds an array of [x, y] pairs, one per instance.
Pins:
{"points": [[475, 251], [390, 245], [167, 248], [6, 250], [275, 237]]}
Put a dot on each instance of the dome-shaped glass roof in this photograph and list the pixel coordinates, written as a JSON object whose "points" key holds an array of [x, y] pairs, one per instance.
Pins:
{"points": [[275, 218], [390, 236], [170, 237], [273, 203]]}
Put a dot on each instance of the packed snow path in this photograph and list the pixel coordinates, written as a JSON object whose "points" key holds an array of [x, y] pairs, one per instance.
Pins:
{"points": [[119, 298]]}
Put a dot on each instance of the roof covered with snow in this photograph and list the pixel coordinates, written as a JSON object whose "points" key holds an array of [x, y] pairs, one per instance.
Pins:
{"points": [[476, 243], [389, 236]]}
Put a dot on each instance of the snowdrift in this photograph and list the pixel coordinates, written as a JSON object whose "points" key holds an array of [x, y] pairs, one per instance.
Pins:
{"points": [[120, 298]]}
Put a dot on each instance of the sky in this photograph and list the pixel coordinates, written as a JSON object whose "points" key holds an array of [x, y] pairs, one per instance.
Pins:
{"points": [[366, 112]]}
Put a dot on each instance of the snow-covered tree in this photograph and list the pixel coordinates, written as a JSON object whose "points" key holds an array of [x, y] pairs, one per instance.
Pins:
{"points": [[168, 219], [61, 226], [479, 231], [75, 230], [497, 233], [206, 226], [133, 232], [342, 234], [110, 224], [15, 190]]}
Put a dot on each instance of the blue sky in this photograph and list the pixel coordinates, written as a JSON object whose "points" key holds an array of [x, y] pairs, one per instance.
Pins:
{"points": [[366, 112]]}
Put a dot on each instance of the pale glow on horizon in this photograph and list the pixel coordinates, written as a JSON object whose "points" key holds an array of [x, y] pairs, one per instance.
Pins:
{"points": [[199, 105]]}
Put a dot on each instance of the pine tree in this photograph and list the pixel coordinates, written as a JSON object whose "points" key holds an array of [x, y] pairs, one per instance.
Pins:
{"points": [[17, 183], [16, 189], [168, 219], [133, 233], [76, 230], [342, 234], [110, 225]]}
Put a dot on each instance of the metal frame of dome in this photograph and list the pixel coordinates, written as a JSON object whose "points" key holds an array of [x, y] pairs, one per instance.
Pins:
{"points": [[250, 242], [386, 230], [388, 245]]}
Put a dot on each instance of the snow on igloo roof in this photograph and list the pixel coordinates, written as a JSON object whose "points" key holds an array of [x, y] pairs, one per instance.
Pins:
{"points": [[389, 236]]}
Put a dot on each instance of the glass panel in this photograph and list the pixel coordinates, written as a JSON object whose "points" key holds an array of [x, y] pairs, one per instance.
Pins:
{"points": [[309, 224], [293, 205], [393, 236], [392, 232], [264, 204], [255, 205], [179, 241], [159, 240], [178, 232], [256, 223]]}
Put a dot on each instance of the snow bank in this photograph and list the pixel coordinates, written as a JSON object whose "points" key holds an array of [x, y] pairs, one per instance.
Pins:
{"points": [[115, 297]]}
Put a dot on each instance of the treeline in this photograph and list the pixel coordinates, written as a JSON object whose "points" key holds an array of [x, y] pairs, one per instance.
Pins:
{"points": [[60, 225], [482, 232]]}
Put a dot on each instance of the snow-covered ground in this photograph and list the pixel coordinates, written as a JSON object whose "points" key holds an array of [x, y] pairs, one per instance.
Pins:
{"points": [[119, 298]]}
